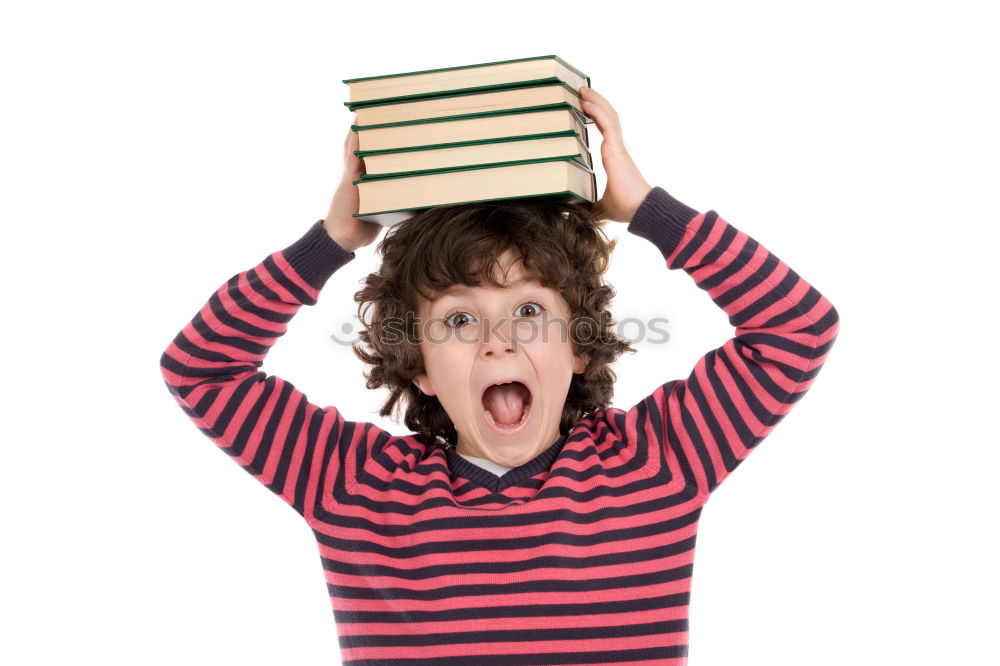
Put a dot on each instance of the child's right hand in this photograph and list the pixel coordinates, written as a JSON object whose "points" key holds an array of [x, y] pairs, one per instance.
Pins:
{"points": [[347, 231]]}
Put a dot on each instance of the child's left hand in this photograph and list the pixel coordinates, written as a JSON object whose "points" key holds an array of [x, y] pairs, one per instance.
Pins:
{"points": [[626, 188]]}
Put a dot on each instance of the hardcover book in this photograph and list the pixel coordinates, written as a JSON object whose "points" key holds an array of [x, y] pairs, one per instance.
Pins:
{"points": [[476, 153], [388, 200], [534, 98], [495, 126], [468, 78]]}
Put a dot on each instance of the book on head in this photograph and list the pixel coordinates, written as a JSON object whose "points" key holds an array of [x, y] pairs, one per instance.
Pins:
{"points": [[389, 200]]}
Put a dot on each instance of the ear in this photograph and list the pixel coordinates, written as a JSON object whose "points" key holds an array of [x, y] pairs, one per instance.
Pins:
{"points": [[580, 363], [424, 384]]}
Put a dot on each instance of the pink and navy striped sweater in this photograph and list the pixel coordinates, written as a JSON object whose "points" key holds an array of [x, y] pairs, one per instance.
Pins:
{"points": [[581, 556]]}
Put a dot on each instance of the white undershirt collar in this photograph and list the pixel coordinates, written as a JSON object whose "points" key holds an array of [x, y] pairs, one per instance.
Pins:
{"points": [[487, 464]]}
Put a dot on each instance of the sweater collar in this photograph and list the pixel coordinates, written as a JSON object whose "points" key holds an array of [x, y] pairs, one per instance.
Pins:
{"points": [[471, 472]]}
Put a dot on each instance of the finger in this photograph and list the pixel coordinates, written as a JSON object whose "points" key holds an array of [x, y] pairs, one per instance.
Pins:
{"points": [[593, 101], [590, 92], [351, 145], [350, 132], [598, 101], [353, 165], [360, 162], [607, 124]]}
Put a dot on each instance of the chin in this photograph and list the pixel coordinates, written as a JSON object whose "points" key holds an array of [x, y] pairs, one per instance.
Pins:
{"points": [[515, 456]]}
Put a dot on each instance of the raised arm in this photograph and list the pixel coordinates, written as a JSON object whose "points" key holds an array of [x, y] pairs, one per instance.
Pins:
{"points": [[707, 424], [212, 367], [736, 394]]}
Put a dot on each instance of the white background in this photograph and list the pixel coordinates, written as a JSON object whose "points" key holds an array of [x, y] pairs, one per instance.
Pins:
{"points": [[152, 150]]}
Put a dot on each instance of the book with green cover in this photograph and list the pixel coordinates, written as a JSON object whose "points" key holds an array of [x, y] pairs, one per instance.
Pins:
{"points": [[388, 200], [471, 104], [423, 172], [568, 144], [579, 115], [492, 126], [520, 72]]}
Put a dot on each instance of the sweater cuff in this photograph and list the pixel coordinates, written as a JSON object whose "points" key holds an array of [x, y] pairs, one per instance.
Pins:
{"points": [[661, 219], [315, 256]]}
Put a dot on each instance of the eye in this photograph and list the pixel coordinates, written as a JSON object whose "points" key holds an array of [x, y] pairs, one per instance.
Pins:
{"points": [[530, 306], [460, 316]]}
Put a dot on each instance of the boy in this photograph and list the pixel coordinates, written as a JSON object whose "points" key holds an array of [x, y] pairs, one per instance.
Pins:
{"points": [[525, 521]]}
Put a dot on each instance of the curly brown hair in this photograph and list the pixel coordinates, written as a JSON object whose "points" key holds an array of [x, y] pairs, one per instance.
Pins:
{"points": [[561, 245]]}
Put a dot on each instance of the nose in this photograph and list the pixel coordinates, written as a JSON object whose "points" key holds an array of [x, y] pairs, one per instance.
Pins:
{"points": [[498, 337]]}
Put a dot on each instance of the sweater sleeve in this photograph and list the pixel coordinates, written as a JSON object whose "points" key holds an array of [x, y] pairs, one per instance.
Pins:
{"points": [[212, 369], [708, 423]]}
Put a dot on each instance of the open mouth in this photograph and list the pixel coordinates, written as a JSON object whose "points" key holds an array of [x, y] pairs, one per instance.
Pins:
{"points": [[507, 405]]}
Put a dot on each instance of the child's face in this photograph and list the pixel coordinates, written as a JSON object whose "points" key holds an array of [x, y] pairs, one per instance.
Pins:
{"points": [[520, 331]]}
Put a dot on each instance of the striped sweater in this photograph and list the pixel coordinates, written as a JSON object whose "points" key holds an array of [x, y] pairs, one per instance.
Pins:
{"points": [[582, 555]]}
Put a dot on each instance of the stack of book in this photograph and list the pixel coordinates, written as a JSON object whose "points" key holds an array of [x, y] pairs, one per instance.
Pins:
{"points": [[498, 130]]}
